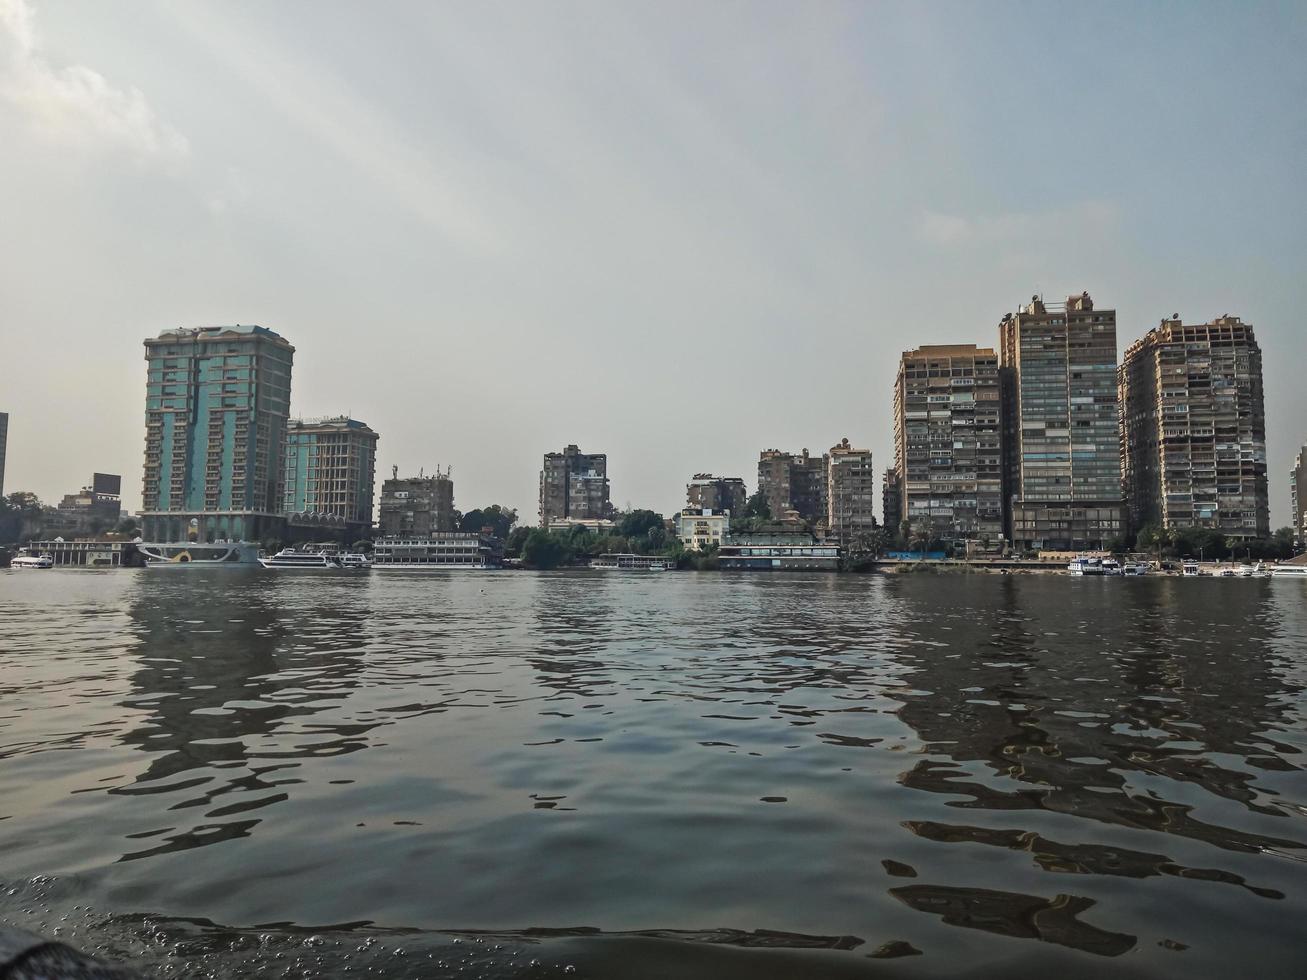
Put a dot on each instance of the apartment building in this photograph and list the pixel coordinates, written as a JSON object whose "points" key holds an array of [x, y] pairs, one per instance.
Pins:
{"points": [[574, 485], [716, 493], [852, 486], [417, 506], [1298, 496], [891, 508], [793, 482], [331, 469]]}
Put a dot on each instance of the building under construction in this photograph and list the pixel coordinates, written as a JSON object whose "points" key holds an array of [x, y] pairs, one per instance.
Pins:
{"points": [[417, 506], [1193, 428]]}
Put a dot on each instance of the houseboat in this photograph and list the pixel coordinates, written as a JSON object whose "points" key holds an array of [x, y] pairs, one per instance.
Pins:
{"points": [[633, 563], [441, 551]]}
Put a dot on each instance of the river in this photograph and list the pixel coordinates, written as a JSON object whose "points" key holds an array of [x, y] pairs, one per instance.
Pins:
{"points": [[516, 774]]}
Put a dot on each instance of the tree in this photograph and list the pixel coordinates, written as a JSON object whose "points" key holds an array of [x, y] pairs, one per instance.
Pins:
{"points": [[516, 540], [757, 507], [541, 549], [128, 527], [638, 523], [498, 518]]}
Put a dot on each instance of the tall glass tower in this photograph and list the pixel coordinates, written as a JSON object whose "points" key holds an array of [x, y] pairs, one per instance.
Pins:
{"points": [[217, 400]]}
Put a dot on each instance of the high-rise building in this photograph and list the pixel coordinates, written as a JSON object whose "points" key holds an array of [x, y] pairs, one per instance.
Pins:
{"points": [[1298, 497], [331, 469], [574, 485], [947, 448], [417, 506], [217, 401], [1062, 460], [4, 445], [891, 501], [717, 493], [1193, 428], [793, 483], [851, 487]]}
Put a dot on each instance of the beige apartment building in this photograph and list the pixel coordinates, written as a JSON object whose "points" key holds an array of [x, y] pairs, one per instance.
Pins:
{"points": [[852, 485], [1193, 428], [947, 450]]}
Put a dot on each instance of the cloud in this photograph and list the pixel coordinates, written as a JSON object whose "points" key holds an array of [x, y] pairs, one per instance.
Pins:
{"points": [[952, 230], [75, 105]]}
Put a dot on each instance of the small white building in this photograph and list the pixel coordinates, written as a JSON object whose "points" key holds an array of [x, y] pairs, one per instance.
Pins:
{"points": [[699, 529]]}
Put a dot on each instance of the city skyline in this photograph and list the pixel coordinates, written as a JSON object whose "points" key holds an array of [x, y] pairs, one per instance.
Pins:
{"points": [[531, 232]]}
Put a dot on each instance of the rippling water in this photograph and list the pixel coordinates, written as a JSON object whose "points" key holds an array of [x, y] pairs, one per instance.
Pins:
{"points": [[646, 776]]}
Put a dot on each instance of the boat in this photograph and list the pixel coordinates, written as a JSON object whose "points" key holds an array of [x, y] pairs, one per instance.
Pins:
{"points": [[1111, 567], [28, 560], [1289, 571], [1085, 565], [633, 563], [441, 551], [1192, 569], [290, 558], [194, 554], [1133, 568], [353, 559]]}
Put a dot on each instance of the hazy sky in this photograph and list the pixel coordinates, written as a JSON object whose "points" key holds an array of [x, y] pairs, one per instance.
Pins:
{"points": [[677, 233]]}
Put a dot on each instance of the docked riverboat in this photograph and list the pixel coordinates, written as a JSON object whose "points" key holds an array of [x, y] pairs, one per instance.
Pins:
{"points": [[1086, 565], [632, 563], [442, 551], [1289, 571], [27, 560], [194, 554], [293, 559]]}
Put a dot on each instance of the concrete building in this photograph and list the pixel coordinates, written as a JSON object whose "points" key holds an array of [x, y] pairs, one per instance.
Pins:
{"points": [[574, 485], [4, 446], [793, 483], [1062, 461], [331, 470], [417, 506], [947, 442], [1193, 428], [216, 405], [700, 528], [852, 486], [95, 508], [708, 492], [891, 507], [1298, 497]]}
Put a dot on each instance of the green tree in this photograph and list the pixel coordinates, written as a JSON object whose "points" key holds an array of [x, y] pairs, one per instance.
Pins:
{"points": [[541, 549], [638, 523], [757, 507], [516, 539], [128, 527], [498, 518]]}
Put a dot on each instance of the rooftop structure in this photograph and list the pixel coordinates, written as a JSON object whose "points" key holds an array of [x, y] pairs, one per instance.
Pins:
{"points": [[1193, 428], [217, 400]]}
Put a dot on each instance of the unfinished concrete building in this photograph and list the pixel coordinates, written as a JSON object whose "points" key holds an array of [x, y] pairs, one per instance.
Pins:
{"points": [[417, 506], [1193, 428], [574, 485], [852, 485], [793, 482], [947, 449], [331, 470], [1062, 465]]}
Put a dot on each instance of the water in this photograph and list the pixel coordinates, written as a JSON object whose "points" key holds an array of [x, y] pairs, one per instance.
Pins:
{"points": [[695, 775]]}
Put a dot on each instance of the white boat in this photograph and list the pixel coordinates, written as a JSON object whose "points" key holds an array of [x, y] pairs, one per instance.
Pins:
{"points": [[441, 551], [289, 558], [1133, 568], [1289, 571], [351, 559], [1111, 566], [27, 560], [633, 563], [194, 554], [1085, 565], [1192, 569]]}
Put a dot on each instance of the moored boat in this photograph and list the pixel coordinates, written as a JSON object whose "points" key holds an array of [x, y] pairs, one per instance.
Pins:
{"points": [[633, 563], [28, 560], [310, 561], [1086, 565]]}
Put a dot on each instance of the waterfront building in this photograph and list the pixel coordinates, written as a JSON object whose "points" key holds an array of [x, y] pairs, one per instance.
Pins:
{"points": [[601, 526], [778, 546], [947, 442], [793, 483], [701, 527], [93, 509], [851, 488], [708, 492], [331, 470], [891, 507], [1193, 428], [1298, 497], [217, 401], [104, 552], [417, 506], [575, 485], [4, 447], [437, 550], [1062, 465]]}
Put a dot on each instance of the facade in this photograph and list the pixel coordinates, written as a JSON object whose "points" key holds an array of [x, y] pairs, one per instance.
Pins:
{"points": [[700, 528], [852, 486], [4, 446], [1193, 428], [708, 492], [891, 507], [574, 485], [217, 402], [1298, 497], [331, 470], [947, 442], [417, 506], [793, 483], [780, 546], [1062, 466]]}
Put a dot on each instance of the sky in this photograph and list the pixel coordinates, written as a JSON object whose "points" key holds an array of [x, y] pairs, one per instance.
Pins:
{"points": [[677, 233]]}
